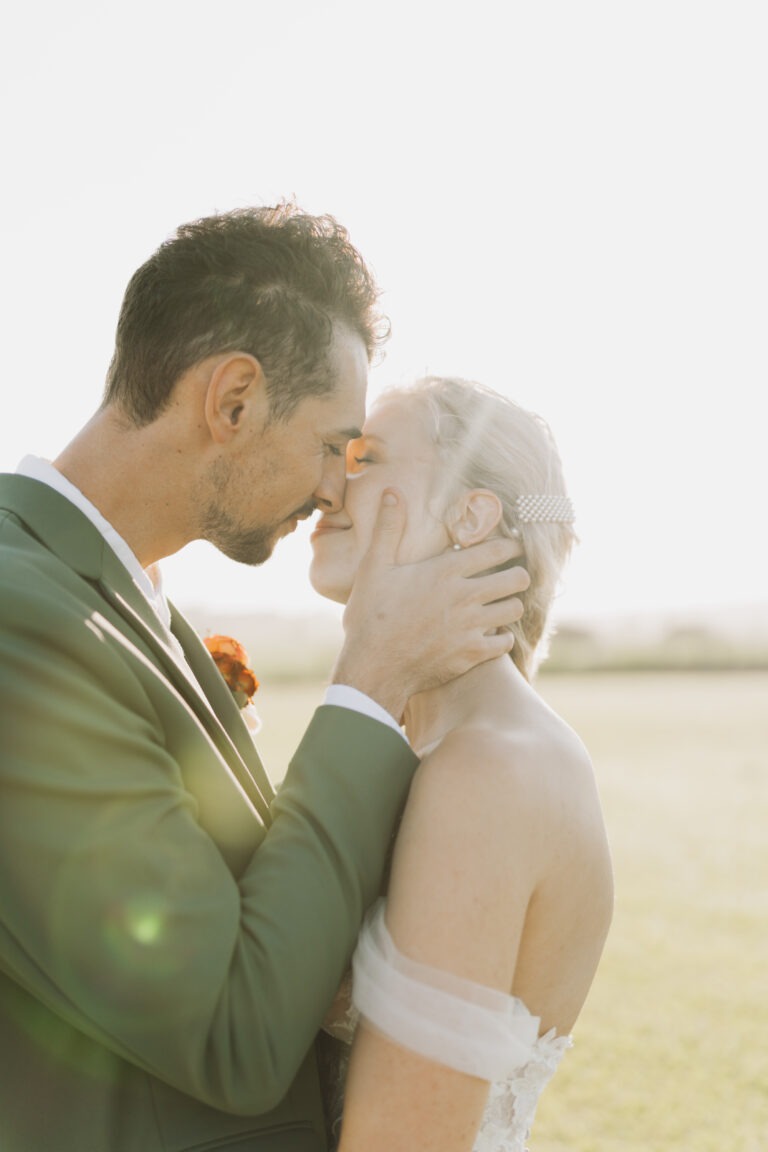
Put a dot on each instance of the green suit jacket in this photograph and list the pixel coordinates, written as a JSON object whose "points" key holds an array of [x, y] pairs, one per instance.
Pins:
{"points": [[171, 932]]}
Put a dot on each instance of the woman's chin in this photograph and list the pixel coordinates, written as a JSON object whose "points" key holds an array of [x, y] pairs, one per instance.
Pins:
{"points": [[326, 586]]}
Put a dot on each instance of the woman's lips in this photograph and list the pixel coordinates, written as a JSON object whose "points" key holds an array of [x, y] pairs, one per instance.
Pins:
{"points": [[323, 529]]}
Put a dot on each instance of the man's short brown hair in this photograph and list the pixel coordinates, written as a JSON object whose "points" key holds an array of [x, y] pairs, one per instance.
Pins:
{"points": [[269, 281]]}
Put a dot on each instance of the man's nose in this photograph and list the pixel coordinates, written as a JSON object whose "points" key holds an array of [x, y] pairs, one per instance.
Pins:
{"points": [[329, 493]]}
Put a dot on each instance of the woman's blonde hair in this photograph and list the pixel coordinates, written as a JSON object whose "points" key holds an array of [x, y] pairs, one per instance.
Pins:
{"points": [[486, 441]]}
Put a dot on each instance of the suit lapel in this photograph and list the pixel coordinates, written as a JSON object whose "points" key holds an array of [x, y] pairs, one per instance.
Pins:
{"points": [[191, 691], [70, 535], [217, 692]]}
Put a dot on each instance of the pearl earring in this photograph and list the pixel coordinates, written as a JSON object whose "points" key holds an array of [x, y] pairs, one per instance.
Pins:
{"points": [[457, 547]]}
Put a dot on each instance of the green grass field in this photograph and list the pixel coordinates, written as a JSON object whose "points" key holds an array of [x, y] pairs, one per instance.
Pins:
{"points": [[671, 1050]]}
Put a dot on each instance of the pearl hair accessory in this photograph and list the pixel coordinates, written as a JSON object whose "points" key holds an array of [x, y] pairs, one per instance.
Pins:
{"points": [[544, 509], [539, 510]]}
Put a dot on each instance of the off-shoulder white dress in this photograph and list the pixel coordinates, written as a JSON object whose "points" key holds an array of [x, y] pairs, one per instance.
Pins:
{"points": [[455, 1022]]}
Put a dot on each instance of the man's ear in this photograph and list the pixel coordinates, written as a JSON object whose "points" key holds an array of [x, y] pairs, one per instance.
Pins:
{"points": [[474, 516], [236, 393]]}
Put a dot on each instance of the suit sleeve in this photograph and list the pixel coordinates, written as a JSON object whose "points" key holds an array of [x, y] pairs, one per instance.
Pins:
{"points": [[118, 912]]}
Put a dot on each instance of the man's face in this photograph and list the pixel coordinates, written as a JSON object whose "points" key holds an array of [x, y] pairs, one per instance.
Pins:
{"points": [[283, 471]]}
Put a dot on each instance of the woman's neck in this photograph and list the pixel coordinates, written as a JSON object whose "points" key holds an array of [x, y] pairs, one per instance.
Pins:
{"points": [[486, 694]]}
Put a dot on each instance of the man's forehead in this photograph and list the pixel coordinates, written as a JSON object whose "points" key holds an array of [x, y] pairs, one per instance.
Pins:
{"points": [[344, 413], [344, 405]]}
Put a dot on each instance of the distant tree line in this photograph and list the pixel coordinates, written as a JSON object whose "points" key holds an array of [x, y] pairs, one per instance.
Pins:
{"points": [[285, 648], [676, 648]]}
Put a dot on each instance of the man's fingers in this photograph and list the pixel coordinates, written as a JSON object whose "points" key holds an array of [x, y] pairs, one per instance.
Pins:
{"points": [[489, 554], [500, 644], [389, 527], [498, 585], [501, 614]]}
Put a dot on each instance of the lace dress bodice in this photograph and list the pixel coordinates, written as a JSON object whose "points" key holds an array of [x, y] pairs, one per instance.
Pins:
{"points": [[509, 1114], [453, 1021]]}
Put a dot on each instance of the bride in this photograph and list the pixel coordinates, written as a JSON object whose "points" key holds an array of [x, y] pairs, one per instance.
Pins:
{"points": [[470, 974]]}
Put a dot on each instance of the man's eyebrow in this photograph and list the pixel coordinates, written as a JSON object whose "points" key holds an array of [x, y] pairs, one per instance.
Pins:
{"points": [[349, 433]]}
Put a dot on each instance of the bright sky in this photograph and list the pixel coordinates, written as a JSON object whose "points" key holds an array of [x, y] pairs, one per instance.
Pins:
{"points": [[564, 200]]}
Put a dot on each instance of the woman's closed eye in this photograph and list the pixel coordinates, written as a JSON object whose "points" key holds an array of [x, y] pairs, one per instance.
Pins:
{"points": [[358, 457]]}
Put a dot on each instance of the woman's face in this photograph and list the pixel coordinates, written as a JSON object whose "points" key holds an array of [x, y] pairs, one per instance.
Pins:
{"points": [[395, 450]]}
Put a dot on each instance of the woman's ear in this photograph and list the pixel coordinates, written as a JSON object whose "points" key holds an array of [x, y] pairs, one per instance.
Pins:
{"points": [[237, 390], [474, 516]]}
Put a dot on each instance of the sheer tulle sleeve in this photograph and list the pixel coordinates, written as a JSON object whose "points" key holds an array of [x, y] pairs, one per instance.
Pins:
{"points": [[458, 1023]]}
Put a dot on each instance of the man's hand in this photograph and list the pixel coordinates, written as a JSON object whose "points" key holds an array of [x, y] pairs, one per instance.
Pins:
{"points": [[410, 627]]}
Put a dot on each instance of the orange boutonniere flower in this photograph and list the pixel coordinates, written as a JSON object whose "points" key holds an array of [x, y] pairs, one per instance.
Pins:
{"points": [[232, 661]]}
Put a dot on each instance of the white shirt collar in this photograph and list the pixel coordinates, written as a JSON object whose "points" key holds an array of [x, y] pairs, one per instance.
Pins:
{"points": [[35, 468]]}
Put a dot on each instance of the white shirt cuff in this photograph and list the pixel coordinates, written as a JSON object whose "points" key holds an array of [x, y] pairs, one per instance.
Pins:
{"points": [[342, 696]]}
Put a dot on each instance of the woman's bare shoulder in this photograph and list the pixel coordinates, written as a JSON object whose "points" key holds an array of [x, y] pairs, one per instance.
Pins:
{"points": [[481, 806], [510, 793], [508, 764]]}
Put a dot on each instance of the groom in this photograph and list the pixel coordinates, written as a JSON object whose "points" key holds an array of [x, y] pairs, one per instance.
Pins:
{"points": [[171, 932]]}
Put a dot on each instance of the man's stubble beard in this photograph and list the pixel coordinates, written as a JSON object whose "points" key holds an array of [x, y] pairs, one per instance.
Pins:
{"points": [[218, 526], [250, 546]]}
